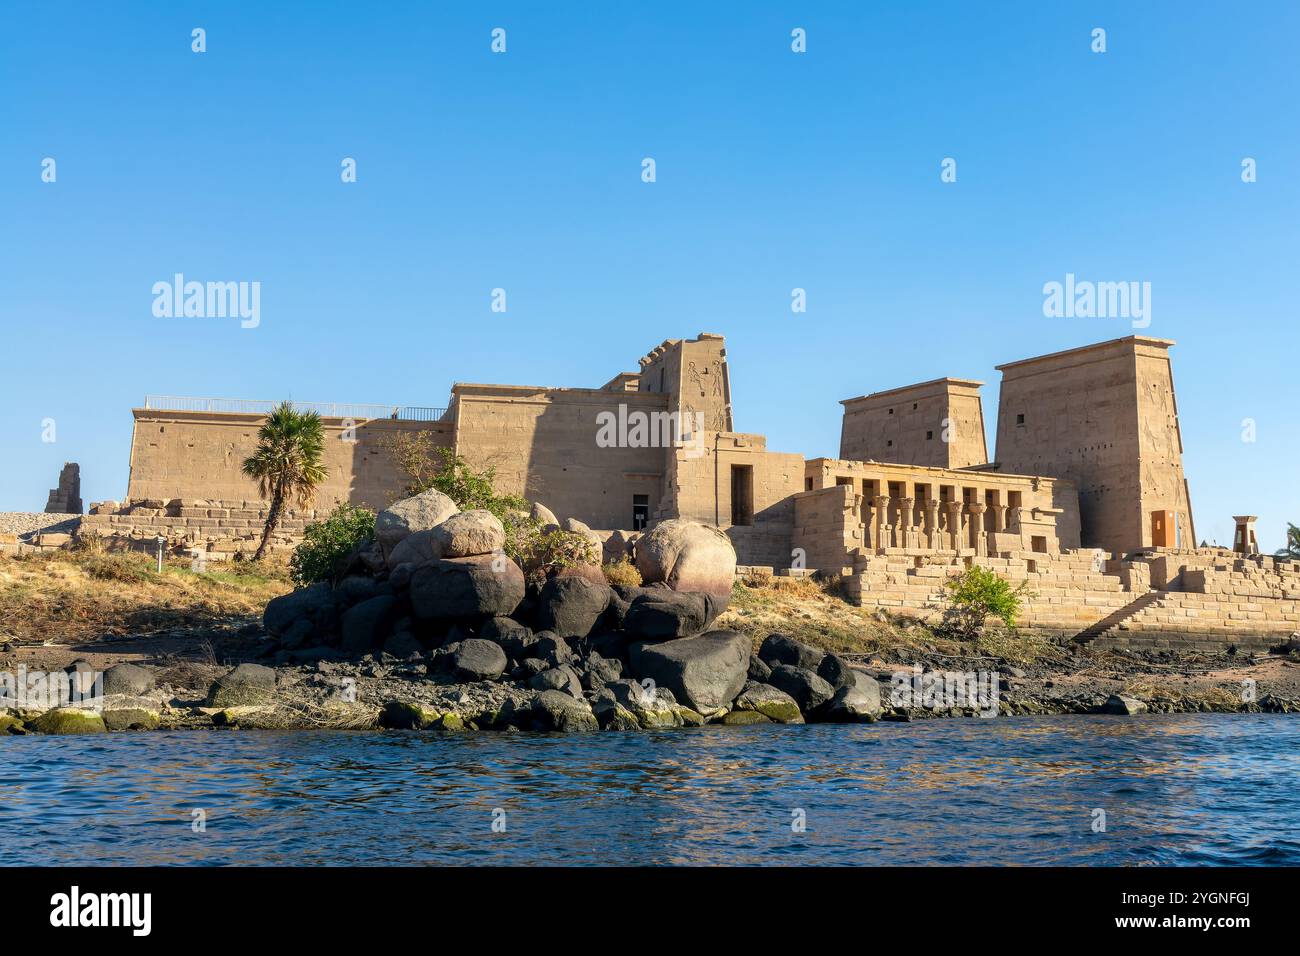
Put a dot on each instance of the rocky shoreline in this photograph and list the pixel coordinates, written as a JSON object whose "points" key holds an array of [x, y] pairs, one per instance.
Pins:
{"points": [[430, 626]]}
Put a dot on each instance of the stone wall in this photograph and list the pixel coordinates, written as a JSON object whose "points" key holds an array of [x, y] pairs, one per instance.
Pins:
{"points": [[220, 530], [199, 456], [543, 444], [1105, 417], [1252, 604], [938, 423]]}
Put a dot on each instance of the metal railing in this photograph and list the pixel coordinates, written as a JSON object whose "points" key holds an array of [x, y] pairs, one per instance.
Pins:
{"points": [[245, 406]]}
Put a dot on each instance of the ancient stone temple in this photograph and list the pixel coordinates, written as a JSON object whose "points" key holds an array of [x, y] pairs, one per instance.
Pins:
{"points": [[66, 498], [1084, 500]]}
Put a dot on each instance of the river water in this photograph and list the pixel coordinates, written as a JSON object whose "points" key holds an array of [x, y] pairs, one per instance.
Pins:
{"points": [[1183, 789]]}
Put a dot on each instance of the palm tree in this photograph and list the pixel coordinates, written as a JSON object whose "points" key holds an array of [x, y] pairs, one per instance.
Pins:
{"points": [[287, 462], [1292, 549]]}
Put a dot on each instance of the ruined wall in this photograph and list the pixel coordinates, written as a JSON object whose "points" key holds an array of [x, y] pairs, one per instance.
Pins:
{"points": [[732, 481], [695, 376], [1104, 416], [198, 455], [543, 444], [938, 423]]}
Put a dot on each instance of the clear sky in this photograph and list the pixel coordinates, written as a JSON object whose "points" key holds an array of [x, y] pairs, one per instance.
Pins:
{"points": [[522, 171]]}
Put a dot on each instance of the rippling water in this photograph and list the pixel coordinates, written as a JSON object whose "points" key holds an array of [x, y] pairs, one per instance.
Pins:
{"points": [[1186, 789]]}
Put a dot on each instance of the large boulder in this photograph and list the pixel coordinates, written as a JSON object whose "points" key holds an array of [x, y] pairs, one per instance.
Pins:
{"points": [[68, 720], [314, 603], [483, 586], [544, 515], [477, 659], [562, 677], [367, 625], [784, 649], [574, 526], [704, 672], [656, 613], [808, 690], [556, 710], [1123, 704], [469, 533], [687, 556], [246, 684], [651, 707], [855, 703], [417, 513], [130, 679], [419, 547], [837, 672], [514, 638], [772, 703], [571, 605]]}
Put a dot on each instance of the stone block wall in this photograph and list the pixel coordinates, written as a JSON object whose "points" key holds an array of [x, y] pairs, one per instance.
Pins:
{"points": [[219, 529]]}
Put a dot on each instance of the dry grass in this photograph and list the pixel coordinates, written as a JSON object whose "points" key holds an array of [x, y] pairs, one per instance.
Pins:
{"points": [[813, 612], [73, 595]]}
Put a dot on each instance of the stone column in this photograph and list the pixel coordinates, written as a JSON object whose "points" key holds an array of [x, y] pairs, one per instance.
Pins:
{"points": [[954, 524], [931, 524], [904, 533], [881, 503], [978, 536]]}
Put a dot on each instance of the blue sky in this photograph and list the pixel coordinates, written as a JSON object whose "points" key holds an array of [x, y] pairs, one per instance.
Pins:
{"points": [[522, 171]]}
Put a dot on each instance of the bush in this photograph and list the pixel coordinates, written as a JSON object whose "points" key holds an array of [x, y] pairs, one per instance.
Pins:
{"points": [[326, 543], [622, 571], [551, 550], [976, 594], [127, 568]]}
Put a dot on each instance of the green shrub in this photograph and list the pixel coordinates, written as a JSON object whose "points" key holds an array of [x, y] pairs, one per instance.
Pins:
{"points": [[976, 594], [326, 543], [551, 550], [622, 571]]}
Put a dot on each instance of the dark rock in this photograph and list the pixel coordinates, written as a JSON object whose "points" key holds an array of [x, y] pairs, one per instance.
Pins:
{"points": [[246, 684], [403, 645], [513, 637], [367, 625], [563, 678], [772, 703], [556, 710], [130, 679], [604, 668], [552, 648], [704, 672], [300, 632], [784, 649], [836, 672], [571, 605], [858, 703], [477, 659], [808, 690], [354, 589], [315, 603], [1123, 704], [758, 669], [478, 587], [400, 577], [657, 613], [530, 667]]}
